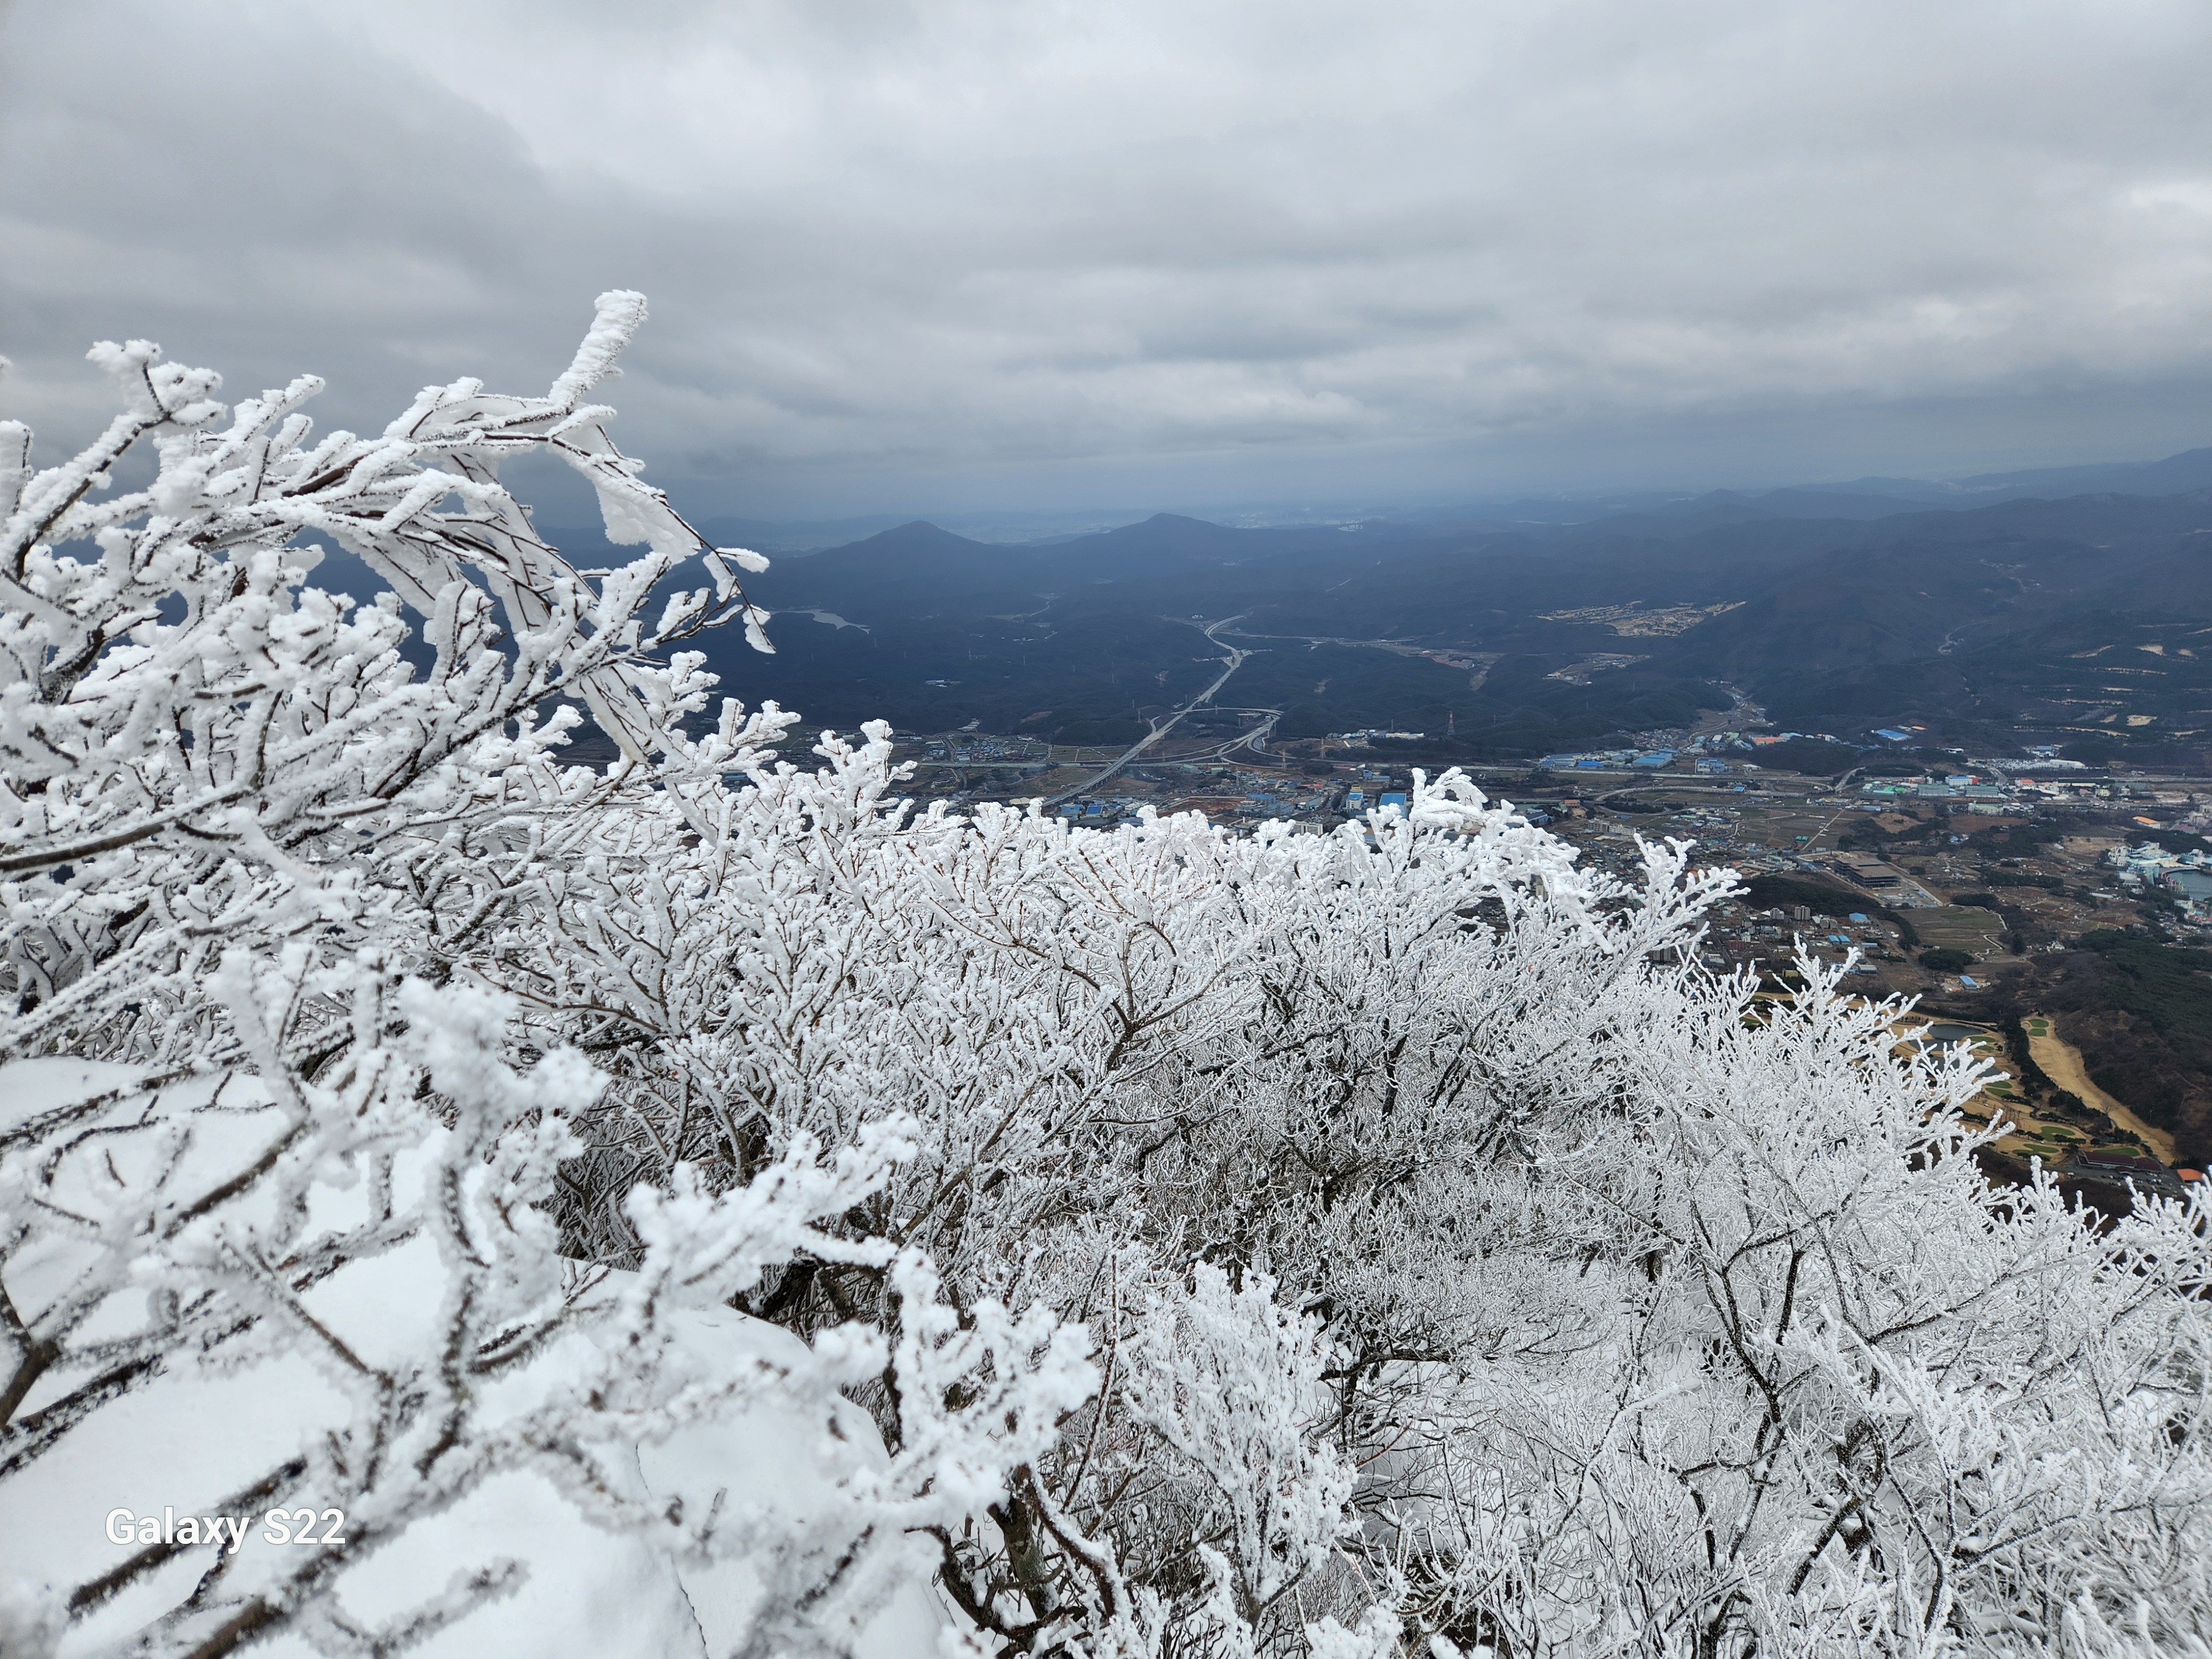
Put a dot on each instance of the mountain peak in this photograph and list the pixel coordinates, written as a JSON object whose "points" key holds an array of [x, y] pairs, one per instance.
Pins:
{"points": [[916, 535]]}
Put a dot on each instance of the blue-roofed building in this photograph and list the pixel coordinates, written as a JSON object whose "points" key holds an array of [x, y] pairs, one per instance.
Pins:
{"points": [[1394, 799], [1858, 915], [1888, 736], [1656, 757]]}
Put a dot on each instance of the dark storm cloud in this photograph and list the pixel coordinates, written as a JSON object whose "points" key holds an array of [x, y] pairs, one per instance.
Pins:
{"points": [[906, 253]]}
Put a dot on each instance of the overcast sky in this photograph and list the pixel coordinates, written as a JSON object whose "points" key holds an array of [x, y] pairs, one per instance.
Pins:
{"points": [[1023, 253]]}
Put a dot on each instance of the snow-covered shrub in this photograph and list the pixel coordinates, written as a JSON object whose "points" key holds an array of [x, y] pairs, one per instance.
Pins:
{"points": [[863, 1220]]}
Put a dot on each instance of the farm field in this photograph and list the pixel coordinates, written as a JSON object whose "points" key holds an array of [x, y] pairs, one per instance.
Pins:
{"points": [[1959, 927]]}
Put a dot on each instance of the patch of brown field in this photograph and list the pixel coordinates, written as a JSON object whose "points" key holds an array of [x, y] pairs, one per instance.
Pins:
{"points": [[2062, 1063]]}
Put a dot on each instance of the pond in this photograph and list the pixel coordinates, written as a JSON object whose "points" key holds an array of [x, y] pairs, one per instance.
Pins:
{"points": [[1947, 1031]]}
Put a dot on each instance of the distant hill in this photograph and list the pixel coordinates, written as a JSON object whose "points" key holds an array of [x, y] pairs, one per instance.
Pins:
{"points": [[908, 565], [2191, 469]]}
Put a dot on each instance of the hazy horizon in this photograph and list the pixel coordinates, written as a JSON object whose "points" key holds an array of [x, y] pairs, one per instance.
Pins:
{"points": [[989, 522]]}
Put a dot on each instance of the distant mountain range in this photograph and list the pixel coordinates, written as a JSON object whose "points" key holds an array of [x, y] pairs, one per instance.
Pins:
{"points": [[2064, 605], [1858, 498], [2191, 469]]}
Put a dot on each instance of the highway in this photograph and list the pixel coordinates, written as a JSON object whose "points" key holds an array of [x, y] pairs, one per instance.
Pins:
{"points": [[1234, 660]]}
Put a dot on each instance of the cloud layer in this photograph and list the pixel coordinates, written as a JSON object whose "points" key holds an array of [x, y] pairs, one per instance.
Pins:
{"points": [[979, 253]]}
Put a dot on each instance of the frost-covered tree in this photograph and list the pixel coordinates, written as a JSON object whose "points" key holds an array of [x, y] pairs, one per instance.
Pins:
{"points": [[880, 1226], [263, 1123]]}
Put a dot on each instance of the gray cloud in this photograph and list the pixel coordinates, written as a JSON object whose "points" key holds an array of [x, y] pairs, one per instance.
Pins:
{"points": [[971, 254]]}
